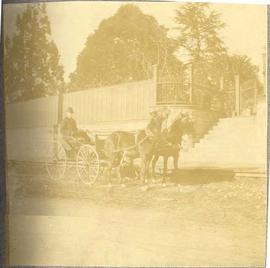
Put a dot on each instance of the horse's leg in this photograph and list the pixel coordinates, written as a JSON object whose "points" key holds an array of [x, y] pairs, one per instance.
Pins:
{"points": [[147, 167], [175, 165], [109, 175], [143, 169], [146, 173], [165, 170], [143, 173], [154, 162], [175, 161], [119, 171], [119, 176]]}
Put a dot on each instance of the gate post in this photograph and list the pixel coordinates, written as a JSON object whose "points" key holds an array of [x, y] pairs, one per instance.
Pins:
{"points": [[237, 95]]}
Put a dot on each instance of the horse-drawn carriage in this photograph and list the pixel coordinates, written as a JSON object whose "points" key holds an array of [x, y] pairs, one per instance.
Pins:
{"points": [[89, 159]]}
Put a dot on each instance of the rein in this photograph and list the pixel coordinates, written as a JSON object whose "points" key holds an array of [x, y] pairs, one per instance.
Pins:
{"points": [[131, 147]]}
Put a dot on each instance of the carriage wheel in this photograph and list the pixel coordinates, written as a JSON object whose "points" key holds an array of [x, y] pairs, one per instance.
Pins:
{"points": [[56, 161], [87, 164]]}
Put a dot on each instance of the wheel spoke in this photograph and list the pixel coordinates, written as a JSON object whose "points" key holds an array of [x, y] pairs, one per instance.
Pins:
{"points": [[87, 164], [56, 162]]}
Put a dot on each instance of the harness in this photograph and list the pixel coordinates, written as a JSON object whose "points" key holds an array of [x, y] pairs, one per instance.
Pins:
{"points": [[122, 160], [118, 150]]}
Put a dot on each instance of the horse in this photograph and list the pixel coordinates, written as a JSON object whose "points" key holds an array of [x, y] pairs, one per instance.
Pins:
{"points": [[121, 144], [146, 145], [170, 143]]}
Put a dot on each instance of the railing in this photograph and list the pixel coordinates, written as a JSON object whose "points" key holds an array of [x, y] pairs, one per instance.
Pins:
{"points": [[240, 99], [231, 98], [179, 93], [172, 93]]}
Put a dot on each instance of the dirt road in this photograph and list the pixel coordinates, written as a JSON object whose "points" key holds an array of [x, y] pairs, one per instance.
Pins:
{"points": [[217, 223]]}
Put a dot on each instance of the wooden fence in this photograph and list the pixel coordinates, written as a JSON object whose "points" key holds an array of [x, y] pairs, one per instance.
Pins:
{"points": [[130, 101], [30, 124]]}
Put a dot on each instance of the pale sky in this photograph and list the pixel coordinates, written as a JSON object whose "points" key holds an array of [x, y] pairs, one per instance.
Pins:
{"points": [[72, 22]]}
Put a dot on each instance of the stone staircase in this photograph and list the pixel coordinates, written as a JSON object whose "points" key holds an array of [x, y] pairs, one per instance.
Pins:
{"points": [[232, 142]]}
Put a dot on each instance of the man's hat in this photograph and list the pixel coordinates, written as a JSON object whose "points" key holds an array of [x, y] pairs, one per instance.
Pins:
{"points": [[182, 114], [165, 109], [153, 111], [70, 110]]}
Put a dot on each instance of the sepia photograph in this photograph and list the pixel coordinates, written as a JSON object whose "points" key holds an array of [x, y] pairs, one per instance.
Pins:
{"points": [[136, 133]]}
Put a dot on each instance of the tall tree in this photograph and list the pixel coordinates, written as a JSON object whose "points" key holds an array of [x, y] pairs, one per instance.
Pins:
{"points": [[199, 39], [199, 28], [124, 48], [31, 58]]}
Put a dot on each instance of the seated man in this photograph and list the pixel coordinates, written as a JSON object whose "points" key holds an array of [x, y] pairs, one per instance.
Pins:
{"points": [[71, 134]]}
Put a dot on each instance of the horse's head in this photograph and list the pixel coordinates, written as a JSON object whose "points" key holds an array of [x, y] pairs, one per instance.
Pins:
{"points": [[187, 124], [183, 124]]}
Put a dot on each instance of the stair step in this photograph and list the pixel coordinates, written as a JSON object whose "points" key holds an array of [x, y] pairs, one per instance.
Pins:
{"points": [[230, 141], [237, 119], [248, 174], [224, 144], [221, 156], [227, 162], [229, 129]]}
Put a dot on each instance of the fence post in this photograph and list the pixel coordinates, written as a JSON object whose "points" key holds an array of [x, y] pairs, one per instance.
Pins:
{"points": [[237, 95], [60, 107], [191, 83], [155, 82], [221, 99]]}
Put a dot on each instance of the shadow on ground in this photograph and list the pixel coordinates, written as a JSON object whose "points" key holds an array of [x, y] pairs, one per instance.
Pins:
{"points": [[202, 176]]}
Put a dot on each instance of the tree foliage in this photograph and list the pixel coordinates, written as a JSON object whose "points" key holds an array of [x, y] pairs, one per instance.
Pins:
{"points": [[124, 48], [31, 58], [199, 28], [241, 65], [199, 38]]}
